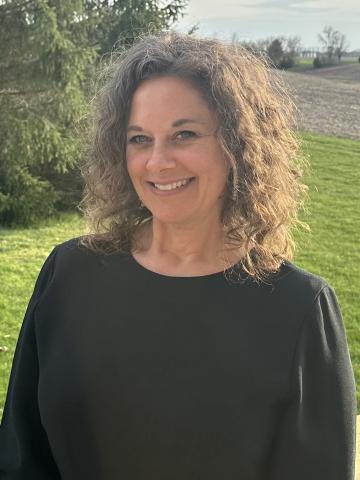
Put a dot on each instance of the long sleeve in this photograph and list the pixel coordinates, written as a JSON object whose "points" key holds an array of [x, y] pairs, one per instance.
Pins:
{"points": [[250, 382], [316, 439], [24, 449]]}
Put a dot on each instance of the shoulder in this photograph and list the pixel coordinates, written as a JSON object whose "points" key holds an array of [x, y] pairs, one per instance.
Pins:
{"points": [[296, 289], [292, 277], [72, 246], [73, 256], [75, 247]]}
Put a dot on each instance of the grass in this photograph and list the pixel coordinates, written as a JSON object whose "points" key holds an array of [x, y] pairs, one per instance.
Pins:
{"points": [[22, 252], [302, 64], [331, 250], [348, 60], [306, 63]]}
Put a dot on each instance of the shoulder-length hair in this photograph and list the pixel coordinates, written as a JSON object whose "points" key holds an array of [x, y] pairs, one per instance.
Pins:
{"points": [[255, 121]]}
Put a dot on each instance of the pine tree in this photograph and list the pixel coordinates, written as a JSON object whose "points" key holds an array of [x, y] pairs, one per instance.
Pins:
{"points": [[49, 52], [275, 51]]}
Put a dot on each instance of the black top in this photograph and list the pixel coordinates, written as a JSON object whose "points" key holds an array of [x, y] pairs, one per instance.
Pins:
{"points": [[121, 373]]}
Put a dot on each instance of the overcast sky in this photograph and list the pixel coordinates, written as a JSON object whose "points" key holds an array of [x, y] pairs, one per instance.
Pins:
{"points": [[257, 19]]}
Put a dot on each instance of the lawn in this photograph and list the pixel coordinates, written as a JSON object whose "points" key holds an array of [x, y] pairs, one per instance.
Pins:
{"points": [[331, 250], [22, 252]]}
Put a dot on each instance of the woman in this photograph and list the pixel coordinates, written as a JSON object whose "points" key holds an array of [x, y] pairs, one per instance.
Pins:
{"points": [[178, 341]]}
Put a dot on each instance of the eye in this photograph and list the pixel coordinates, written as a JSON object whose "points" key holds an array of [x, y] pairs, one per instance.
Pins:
{"points": [[185, 135], [139, 139]]}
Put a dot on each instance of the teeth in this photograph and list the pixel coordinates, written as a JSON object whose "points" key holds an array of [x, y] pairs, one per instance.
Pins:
{"points": [[172, 186]]}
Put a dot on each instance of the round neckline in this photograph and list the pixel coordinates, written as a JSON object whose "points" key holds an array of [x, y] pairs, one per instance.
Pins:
{"points": [[221, 273]]}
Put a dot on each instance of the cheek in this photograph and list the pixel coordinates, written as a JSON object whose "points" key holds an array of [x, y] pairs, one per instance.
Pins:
{"points": [[220, 169]]}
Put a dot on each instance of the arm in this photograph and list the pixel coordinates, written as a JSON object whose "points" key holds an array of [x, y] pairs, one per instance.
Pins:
{"points": [[316, 438], [24, 448]]}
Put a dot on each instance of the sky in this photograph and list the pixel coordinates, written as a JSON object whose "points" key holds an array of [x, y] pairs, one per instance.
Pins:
{"points": [[258, 19]]}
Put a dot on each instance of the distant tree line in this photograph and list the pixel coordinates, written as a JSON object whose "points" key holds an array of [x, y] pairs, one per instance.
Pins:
{"points": [[50, 50], [283, 52], [334, 45]]}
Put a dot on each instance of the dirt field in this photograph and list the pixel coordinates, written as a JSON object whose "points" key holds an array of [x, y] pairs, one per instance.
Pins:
{"points": [[344, 73], [328, 100]]}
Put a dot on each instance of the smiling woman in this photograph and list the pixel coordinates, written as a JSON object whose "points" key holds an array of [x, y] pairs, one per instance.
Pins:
{"points": [[232, 108], [177, 340], [187, 167]]}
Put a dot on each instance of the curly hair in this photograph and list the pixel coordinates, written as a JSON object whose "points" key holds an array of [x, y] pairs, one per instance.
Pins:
{"points": [[256, 120]]}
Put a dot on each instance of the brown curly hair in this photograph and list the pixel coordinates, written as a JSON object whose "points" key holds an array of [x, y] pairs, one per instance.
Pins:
{"points": [[255, 116]]}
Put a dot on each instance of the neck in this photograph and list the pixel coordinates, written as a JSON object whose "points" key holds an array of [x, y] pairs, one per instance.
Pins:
{"points": [[197, 248], [191, 241]]}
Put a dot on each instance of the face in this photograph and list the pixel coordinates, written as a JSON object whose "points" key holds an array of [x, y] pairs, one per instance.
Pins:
{"points": [[173, 156]]}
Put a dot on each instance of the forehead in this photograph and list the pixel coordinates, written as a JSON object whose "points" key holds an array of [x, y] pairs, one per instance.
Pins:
{"points": [[168, 95]]}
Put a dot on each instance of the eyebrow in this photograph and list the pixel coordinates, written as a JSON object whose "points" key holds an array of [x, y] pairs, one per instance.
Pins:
{"points": [[177, 123]]}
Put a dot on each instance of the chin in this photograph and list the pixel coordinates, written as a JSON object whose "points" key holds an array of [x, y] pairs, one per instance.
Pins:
{"points": [[172, 217]]}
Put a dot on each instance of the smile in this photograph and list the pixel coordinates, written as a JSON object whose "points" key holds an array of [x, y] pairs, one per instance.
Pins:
{"points": [[172, 186]]}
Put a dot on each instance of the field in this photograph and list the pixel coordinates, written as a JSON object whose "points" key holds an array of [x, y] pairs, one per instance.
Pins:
{"points": [[306, 63], [328, 100], [347, 73]]}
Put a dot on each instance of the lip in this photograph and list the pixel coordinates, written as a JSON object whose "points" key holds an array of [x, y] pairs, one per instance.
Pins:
{"points": [[175, 191]]}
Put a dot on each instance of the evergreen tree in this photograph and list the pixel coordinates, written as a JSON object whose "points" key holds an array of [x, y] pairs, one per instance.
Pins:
{"points": [[116, 23], [49, 52], [275, 51], [41, 96]]}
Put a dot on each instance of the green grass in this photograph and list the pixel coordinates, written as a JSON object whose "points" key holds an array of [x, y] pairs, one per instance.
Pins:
{"points": [[331, 250], [306, 63], [22, 252], [302, 63], [350, 60]]}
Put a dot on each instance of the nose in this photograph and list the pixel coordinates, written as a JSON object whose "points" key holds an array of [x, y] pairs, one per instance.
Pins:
{"points": [[160, 157]]}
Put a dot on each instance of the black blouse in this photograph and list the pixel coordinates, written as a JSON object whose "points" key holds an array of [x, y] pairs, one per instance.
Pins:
{"points": [[121, 373]]}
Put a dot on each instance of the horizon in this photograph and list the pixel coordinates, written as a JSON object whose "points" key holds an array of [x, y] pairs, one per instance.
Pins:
{"points": [[251, 21]]}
